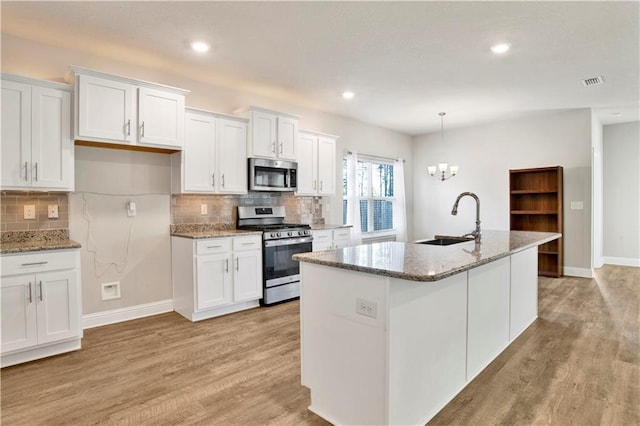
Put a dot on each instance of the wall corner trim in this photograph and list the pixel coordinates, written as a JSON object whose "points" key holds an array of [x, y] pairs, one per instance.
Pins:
{"points": [[621, 261], [578, 272], [126, 314]]}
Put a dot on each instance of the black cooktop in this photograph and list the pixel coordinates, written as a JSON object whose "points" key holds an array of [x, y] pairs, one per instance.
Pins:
{"points": [[273, 227]]}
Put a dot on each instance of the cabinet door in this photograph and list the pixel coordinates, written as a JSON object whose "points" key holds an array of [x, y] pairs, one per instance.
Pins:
{"points": [[326, 166], [213, 281], [56, 295], [160, 118], [199, 152], [16, 134], [263, 134], [106, 109], [322, 240], [247, 279], [51, 144], [307, 164], [287, 138], [232, 156], [18, 303]]}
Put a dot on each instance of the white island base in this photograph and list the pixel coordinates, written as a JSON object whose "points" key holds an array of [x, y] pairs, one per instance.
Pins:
{"points": [[424, 341]]}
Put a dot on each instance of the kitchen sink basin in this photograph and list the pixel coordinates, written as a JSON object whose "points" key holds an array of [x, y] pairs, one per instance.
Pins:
{"points": [[445, 241]]}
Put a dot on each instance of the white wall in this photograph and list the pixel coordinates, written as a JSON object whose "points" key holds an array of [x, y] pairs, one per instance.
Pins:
{"points": [[109, 172], [485, 154], [596, 185], [621, 170]]}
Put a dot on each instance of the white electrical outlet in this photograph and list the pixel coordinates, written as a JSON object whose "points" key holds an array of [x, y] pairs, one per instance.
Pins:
{"points": [[111, 291], [29, 211], [367, 308], [203, 209], [53, 211], [131, 209]]}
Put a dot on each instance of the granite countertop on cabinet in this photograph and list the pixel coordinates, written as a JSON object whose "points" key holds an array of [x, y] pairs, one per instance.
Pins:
{"points": [[31, 241], [206, 230], [323, 226], [420, 262]]}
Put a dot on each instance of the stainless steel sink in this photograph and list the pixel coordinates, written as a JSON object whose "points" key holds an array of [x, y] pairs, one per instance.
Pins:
{"points": [[445, 240]]}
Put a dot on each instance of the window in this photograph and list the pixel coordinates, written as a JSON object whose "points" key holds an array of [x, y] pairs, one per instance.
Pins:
{"points": [[374, 193]]}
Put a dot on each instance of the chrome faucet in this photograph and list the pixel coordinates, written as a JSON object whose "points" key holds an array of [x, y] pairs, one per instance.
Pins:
{"points": [[454, 211]]}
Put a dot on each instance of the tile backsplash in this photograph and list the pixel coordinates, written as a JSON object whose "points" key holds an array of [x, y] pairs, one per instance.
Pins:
{"points": [[222, 209], [12, 210]]}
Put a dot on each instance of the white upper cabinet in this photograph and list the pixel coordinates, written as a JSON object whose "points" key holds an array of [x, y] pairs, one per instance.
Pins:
{"points": [[37, 149], [214, 158], [114, 109], [273, 134], [232, 155], [316, 163]]}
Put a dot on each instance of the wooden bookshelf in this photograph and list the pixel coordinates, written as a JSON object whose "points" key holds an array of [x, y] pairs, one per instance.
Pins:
{"points": [[535, 204]]}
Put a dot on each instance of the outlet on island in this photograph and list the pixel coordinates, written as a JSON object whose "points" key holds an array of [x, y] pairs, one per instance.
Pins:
{"points": [[367, 308]]}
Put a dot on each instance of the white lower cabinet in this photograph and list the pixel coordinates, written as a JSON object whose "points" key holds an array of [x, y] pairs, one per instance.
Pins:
{"points": [[216, 276], [41, 308], [331, 239]]}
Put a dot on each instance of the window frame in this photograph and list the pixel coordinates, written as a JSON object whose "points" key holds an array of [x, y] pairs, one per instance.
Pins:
{"points": [[370, 199]]}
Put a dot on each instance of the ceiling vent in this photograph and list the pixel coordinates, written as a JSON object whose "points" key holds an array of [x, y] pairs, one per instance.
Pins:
{"points": [[593, 81]]}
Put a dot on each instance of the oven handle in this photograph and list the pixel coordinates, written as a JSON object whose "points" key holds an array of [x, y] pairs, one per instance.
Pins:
{"points": [[288, 241]]}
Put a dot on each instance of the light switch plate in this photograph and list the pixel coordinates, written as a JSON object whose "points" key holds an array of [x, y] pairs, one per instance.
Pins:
{"points": [[52, 211], [29, 211], [203, 209], [577, 205]]}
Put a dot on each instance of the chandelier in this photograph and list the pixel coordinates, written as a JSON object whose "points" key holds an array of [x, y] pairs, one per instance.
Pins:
{"points": [[442, 166]]}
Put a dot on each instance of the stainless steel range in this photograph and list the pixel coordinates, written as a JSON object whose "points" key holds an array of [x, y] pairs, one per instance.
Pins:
{"points": [[281, 275]]}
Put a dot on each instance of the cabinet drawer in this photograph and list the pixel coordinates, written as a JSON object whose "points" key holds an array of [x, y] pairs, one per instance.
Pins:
{"points": [[321, 236], [39, 262], [213, 245], [253, 242], [342, 234]]}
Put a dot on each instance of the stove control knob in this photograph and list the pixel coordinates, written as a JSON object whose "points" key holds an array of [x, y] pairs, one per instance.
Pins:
{"points": [[278, 234], [272, 235], [307, 232], [289, 234]]}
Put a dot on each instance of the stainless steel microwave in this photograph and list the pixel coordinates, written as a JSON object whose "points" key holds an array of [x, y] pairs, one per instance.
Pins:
{"points": [[272, 175]]}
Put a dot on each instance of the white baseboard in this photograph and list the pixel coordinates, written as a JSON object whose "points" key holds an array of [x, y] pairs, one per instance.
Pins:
{"points": [[622, 261], [578, 272], [125, 314]]}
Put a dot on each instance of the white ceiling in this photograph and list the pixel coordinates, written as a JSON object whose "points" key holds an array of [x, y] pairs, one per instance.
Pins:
{"points": [[406, 61]]}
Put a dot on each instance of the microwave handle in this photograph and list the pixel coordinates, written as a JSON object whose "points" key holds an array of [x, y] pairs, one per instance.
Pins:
{"points": [[287, 178]]}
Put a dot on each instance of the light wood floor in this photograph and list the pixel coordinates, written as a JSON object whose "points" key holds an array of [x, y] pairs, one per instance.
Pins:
{"points": [[579, 363]]}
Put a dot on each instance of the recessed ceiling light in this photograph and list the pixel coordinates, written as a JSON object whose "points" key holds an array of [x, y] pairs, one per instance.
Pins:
{"points": [[200, 46], [500, 48], [348, 95]]}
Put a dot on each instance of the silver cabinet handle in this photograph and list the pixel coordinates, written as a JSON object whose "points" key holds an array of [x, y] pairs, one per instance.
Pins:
{"points": [[320, 185], [273, 147], [248, 244], [226, 265], [237, 263], [214, 246], [25, 170], [314, 184], [213, 179], [34, 263], [36, 172], [128, 127], [40, 284], [223, 180], [30, 295], [281, 147], [142, 130]]}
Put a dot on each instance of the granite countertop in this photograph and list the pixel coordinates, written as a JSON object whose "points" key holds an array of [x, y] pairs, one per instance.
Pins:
{"points": [[30, 241], [419, 262], [215, 233], [322, 226], [206, 230]]}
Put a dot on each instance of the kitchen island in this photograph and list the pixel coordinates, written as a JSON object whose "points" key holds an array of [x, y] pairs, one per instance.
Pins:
{"points": [[391, 332]]}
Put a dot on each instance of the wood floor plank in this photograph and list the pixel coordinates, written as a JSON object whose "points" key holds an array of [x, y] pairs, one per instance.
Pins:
{"points": [[579, 363]]}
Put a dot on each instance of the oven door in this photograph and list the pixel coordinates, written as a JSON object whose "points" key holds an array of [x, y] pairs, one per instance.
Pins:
{"points": [[279, 268]]}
